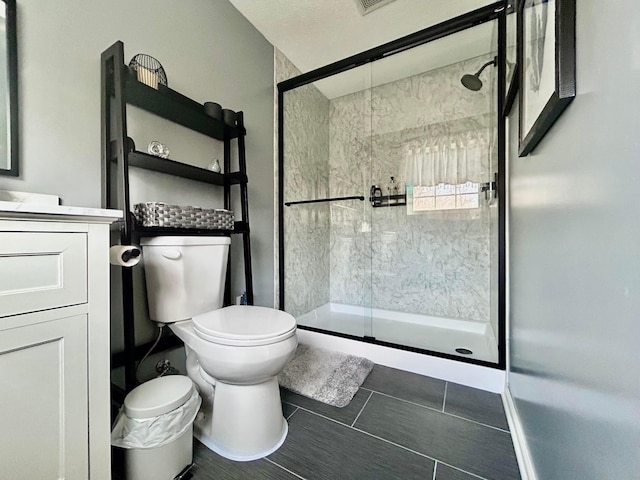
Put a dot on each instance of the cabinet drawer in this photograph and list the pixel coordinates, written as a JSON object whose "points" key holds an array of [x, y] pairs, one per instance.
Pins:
{"points": [[41, 270]]}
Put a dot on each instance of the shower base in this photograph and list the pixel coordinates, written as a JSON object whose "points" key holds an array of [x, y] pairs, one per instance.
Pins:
{"points": [[438, 334]]}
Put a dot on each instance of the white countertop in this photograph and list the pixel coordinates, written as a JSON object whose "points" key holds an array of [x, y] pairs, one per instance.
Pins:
{"points": [[43, 211]]}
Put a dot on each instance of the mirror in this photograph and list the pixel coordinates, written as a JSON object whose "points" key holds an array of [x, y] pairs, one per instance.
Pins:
{"points": [[8, 89]]}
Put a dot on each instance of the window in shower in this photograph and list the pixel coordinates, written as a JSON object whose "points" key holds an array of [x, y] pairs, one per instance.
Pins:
{"points": [[442, 197], [420, 274]]}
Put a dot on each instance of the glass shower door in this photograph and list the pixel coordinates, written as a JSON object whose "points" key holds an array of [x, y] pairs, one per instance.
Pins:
{"points": [[326, 225], [432, 143], [415, 266]]}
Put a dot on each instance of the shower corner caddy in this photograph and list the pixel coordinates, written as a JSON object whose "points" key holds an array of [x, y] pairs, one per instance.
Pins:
{"points": [[389, 201], [119, 88]]}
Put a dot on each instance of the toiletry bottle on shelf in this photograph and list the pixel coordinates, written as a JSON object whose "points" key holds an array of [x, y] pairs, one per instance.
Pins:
{"points": [[393, 190], [400, 192], [215, 166], [376, 196], [241, 299]]}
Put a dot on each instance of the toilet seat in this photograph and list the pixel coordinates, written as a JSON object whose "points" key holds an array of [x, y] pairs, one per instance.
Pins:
{"points": [[246, 326]]}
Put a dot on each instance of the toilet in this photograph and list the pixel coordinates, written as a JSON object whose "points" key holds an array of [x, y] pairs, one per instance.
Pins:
{"points": [[234, 354]]}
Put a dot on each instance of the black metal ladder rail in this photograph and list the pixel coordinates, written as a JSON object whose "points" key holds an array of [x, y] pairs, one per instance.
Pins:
{"points": [[119, 89]]}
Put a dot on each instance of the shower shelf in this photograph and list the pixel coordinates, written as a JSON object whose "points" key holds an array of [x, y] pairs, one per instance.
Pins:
{"points": [[398, 201]]}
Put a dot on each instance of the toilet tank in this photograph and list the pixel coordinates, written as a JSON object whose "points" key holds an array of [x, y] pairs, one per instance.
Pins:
{"points": [[185, 276]]}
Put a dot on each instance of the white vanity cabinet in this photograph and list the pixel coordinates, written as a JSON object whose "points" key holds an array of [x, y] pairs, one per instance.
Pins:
{"points": [[54, 342]]}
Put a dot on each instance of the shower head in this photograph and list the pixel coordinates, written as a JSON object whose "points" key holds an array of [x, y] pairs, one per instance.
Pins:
{"points": [[473, 82]]}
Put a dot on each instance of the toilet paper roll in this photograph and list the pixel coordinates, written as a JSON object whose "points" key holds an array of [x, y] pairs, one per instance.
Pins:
{"points": [[125, 255]]}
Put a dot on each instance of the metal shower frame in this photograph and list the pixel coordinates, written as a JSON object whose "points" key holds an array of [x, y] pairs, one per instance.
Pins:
{"points": [[494, 11]]}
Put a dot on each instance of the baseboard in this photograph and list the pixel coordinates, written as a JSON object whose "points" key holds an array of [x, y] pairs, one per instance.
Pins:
{"points": [[477, 376], [523, 455]]}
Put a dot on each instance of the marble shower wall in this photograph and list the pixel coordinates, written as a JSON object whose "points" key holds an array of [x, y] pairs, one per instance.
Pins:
{"points": [[435, 263], [350, 174], [306, 177]]}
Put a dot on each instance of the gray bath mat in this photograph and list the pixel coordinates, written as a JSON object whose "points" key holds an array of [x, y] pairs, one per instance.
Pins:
{"points": [[324, 375]]}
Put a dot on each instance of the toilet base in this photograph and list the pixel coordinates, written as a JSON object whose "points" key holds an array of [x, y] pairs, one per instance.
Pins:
{"points": [[246, 423], [211, 445]]}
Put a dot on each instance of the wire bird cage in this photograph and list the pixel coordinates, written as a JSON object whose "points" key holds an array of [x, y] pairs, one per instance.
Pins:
{"points": [[149, 70]]}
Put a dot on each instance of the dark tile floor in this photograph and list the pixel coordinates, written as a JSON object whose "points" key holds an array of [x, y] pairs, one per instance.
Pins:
{"points": [[398, 426]]}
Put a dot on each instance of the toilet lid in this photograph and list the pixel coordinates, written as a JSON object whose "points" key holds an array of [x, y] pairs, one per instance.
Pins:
{"points": [[244, 325]]}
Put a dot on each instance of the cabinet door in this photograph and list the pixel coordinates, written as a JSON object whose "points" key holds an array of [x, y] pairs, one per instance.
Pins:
{"points": [[43, 400], [42, 270]]}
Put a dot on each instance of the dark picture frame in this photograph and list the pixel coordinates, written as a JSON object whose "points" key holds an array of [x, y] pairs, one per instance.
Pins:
{"points": [[511, 55], [546, 29]]}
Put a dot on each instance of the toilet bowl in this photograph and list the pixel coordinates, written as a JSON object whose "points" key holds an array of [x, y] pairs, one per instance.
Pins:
{"points": [[236, 373], [234, 354]]}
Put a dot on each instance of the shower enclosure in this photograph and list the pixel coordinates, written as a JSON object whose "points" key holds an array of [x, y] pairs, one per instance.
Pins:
{"points": [[391, 217]]}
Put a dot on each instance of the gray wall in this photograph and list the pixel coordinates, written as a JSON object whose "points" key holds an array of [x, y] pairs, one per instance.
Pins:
{"points": [[575, 263], [209, 51]]}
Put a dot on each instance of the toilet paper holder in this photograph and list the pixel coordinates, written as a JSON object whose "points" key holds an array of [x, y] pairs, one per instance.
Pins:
{"points": [[125, 255]]}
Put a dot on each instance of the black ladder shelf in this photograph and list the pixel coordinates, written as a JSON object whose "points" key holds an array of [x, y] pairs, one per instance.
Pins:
{"points": [[119, 87]]}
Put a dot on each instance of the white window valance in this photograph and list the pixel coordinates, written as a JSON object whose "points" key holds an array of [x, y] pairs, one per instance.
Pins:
{"points": [[450, 159]]}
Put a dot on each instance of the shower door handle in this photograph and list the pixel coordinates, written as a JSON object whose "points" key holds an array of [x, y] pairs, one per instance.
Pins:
{"points": [[491, 186], [321, 200]]}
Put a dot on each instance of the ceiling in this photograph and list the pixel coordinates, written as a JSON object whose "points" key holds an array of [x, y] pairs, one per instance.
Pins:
{"points": [[470, 43], [314, 33]]}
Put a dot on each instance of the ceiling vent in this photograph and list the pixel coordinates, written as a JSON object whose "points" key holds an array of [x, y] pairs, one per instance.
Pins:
{"points": [[368, 6]]}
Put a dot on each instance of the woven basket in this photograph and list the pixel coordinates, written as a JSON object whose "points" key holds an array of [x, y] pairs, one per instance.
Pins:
{"points": [[157, 214]]}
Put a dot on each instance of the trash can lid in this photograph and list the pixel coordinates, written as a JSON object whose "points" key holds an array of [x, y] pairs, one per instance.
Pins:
{"points": [[158, 396]]}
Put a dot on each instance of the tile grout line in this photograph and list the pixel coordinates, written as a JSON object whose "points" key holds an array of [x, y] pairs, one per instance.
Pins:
{"points": [[439, 411], [444, 399], [362, 409], [435, 467], [417, 453], [366, 433], [461, 470], [284, 468], [478, 423], [405, 401], [390, 442], [291, 414]]}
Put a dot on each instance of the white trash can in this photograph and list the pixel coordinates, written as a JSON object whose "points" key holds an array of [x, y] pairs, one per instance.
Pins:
{"points": [[155, 427]]}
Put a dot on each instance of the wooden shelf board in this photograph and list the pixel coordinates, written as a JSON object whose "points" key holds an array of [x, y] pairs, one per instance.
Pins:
{"points": [[239, 227], [171, 167], [174, 106]]}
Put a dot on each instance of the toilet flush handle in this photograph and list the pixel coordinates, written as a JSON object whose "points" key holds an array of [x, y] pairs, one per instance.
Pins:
{"points": [[171, 254]]}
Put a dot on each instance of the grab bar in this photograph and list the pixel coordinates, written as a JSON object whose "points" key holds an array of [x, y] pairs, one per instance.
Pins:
{"points": [[334, 199]]}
